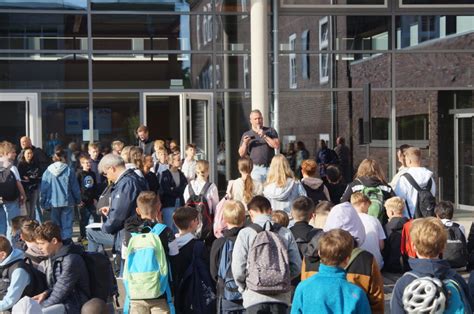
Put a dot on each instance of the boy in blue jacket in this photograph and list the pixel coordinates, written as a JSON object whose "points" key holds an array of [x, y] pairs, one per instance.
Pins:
{"points": [[328, 290]]}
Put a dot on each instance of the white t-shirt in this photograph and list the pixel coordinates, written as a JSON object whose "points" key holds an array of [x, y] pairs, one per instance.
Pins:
{"points": [[373, 234], [211, 195], [189, 169]]}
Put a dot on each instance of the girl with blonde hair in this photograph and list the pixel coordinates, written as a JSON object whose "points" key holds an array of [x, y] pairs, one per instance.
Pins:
{"points": [[281, 187], [244, 188]]}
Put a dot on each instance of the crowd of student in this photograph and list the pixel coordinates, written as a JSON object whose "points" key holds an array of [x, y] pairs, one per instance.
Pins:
{"points": [[281, 245]]}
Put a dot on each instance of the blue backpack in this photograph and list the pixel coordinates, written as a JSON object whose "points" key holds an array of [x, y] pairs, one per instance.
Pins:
{"points": [[146, 272], [196, 289], [226, 282]]}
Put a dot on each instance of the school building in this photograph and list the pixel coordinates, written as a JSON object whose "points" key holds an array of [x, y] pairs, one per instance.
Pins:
{"points": [[81, 70]]}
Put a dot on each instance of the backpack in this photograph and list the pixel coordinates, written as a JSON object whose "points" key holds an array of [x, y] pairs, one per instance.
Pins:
{"points": [[448, 292], [196, 289], [146, 267], [101, 276], [268, 262], [302, 242], [425, 201], [376, 197], [38, 283], [225, 279], [456, 248], [317, 195], [8, 189], [205, 217]]}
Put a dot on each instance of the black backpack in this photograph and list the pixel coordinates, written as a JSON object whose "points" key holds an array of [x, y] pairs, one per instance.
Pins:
{"points": [[205, 217], [8, 189], [101, 276], [37, 283], [456, 248], [425, 201], [317, 195], [196, 291]]}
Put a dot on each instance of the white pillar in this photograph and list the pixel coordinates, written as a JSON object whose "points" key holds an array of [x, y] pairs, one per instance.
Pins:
{"points": [[259, 56]]}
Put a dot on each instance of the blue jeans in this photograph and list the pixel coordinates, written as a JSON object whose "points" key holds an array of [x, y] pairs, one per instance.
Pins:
{"points": [[8, 211], [167, 214], [97, 240], [64, 217], [259, 173]]}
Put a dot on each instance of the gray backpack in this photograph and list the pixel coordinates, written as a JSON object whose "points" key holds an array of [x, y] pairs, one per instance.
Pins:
{"points": [[268, 264]]}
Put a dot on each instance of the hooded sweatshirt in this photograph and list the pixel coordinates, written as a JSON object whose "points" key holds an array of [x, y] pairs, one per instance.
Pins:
{"points": [[363, 270], [408, 192], [391, 252], [19, 280], [281, 197], [312, 185], [436, 268], [59, 187]]}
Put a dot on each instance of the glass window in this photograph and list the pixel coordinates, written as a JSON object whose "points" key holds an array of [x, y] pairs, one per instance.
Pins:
{"points": [[292, 61], [352, 70], [148, 5], [233, 71], [304, 56], [349, 33], [152, 71], [43, 71], [70, 113], [151, 32], [325, 3], [44, 4], [116, 117], [439, 2], [432, 30], [43, 31], [12, 120], [233, 33]]}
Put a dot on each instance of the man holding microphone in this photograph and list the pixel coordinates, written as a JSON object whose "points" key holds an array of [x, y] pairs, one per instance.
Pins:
{"points": [[259, 143]]}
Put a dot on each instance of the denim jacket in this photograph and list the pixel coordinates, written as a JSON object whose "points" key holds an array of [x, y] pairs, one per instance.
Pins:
{"points": [[59, 187]]}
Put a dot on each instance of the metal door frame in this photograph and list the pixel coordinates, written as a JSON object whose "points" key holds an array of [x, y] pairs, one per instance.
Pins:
{"points": [[458, 116], [32, 114], [211, 131]]}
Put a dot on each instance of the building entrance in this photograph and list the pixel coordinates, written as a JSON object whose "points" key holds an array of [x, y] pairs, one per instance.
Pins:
{"points": [[187, 117], [19, 117]]}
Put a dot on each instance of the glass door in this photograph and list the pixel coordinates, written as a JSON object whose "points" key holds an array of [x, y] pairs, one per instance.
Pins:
{"points": [[197, 126], [20, 116], [464, 160]]}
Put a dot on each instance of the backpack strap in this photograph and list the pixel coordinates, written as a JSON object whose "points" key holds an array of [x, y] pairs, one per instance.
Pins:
{"points": [[205, 188], [158, 228], [191, 190], [256, 227], [408, 209], [412, 181], [355, 253]]}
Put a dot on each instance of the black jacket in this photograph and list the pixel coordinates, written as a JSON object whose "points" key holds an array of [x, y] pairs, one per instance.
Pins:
{"points": [[68, 279], [216, 250], [147, 146], [336, 190], [169, 192], [369, 182], [39, 157], [33, 172], [152, 181], [391, 252], [88, 185]]}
